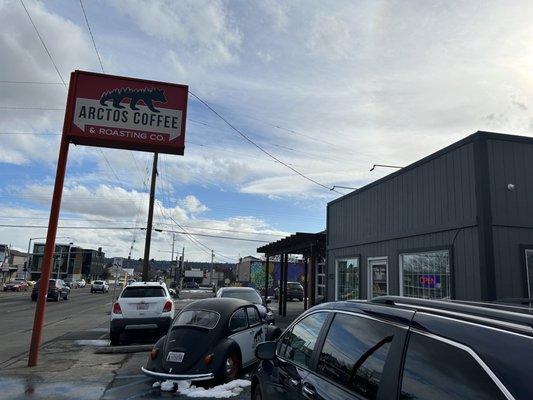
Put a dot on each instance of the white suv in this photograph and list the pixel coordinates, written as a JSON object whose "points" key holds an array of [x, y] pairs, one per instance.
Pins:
{"points": [[99, 286], [141, 306]]}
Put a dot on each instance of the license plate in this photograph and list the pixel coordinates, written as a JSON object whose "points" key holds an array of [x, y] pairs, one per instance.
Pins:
{"points": [[175, 356], [142, 306]]}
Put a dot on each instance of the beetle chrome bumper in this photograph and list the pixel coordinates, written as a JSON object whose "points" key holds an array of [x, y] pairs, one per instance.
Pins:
{"points": [[178, 377]]}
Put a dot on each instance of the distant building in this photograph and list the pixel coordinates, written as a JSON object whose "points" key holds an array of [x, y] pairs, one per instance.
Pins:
{"points": [[7, 271], [17, 259], [69, 262]]}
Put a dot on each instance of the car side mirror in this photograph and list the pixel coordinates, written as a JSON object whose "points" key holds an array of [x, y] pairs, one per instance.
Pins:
{"points": [[266, 350], [269, 301]]}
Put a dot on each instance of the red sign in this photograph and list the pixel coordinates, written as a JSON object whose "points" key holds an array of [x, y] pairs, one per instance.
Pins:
{"points": [[126, 113]]}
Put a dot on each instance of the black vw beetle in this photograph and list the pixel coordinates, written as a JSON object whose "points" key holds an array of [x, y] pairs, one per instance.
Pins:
{"points": [[210, 339]]}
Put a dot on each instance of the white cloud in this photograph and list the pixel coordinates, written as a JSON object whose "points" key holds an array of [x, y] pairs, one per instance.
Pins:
{"points": [[199, 31], [24, 59]]}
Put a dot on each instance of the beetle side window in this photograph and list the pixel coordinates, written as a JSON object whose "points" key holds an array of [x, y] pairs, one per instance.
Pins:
{"points": [[439, 371], [354, 353], [253, 316], [299, 343], [238, 320]]}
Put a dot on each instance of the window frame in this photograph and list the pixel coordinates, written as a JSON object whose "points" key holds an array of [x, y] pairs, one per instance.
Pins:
{"points": [[422, 250], [360, 283], [231, 316], [318, 344], [463, 347], [258, 317], [528, 289], [369, 274]]}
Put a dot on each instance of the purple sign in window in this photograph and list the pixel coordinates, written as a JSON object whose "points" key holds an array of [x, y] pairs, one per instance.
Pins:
{"points": [[429, 281]]}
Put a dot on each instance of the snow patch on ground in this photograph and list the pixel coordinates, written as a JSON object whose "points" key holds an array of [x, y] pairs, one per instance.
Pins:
{"points": [[185, 388], [96, 343]]}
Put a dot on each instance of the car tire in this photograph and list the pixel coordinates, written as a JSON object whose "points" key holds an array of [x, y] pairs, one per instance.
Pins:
{"points": [[114, 337], [257, 395], [65, 297], [231, 367]]}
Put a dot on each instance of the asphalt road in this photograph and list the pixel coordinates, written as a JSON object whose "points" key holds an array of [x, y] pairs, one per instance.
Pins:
{"points": [[81, 311]]}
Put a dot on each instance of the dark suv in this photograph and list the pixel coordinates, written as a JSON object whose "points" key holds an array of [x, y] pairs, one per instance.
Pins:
{"points": [[57, 289], [295, 290], [400, 348]]}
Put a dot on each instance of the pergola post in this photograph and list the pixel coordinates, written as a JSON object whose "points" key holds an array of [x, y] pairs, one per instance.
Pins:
{"points": [[280, 287], [266, 279], [285, 274], [306, 282], [313, 276]]}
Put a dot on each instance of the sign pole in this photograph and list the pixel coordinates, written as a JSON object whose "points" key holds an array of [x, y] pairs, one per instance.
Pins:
{"points": [[48, 254], [146, 261]]}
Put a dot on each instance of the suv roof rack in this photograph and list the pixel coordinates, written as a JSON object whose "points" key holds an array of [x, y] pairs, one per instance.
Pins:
{"points": [[514, 317]]}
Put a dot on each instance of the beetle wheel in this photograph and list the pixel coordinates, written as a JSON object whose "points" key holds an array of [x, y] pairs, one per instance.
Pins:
{"points": [[232, 366]]}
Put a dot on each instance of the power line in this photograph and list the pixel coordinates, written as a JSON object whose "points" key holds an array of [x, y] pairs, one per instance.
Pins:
{"points": [[30, 82], [129, 228], [42, 42], [92, 37], [258, 146], [31, 108]]}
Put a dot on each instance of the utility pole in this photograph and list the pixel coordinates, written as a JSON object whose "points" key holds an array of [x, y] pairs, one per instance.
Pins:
{"points": [[146, 261], [211, 274], [172, 258]]}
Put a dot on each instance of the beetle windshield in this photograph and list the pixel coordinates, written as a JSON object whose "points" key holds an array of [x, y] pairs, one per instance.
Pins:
{"points": [[203, 318], [249, 295]]}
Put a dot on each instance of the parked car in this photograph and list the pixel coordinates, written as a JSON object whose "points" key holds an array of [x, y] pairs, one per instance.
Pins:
{"points": [[251, 295], [17, 285], [400, 348], [69, 282], [191, 285], [57, 289], [141, 306], [80, 283], [295, 290], [99, 286], [210, 339]]}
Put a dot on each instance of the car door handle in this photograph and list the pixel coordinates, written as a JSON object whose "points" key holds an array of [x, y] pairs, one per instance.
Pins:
{"points": [[294, 382], [308, 389]]}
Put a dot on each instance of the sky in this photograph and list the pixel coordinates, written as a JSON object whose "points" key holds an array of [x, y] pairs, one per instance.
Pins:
{"points": [[327, 87]]}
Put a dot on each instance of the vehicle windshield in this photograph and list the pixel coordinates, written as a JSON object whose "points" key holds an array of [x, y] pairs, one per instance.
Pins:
{"points": [[203, 318], [143, 291], [249, 295], [294, 285], [98, 282]]}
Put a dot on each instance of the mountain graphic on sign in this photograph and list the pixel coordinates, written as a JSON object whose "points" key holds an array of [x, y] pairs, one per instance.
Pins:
{"points": [[147, 96]]}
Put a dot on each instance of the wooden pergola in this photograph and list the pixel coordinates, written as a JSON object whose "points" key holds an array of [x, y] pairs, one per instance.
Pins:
{"points": [[311, 246]]}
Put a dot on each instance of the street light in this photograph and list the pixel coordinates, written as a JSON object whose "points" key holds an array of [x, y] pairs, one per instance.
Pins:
{"points": [[68, 257], [29, 248]]}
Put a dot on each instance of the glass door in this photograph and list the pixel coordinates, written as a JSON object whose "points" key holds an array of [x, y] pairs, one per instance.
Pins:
{"points": [[378, 280]]}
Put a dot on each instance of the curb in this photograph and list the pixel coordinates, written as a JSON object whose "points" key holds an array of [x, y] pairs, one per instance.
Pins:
{"points": [[124, 349]]}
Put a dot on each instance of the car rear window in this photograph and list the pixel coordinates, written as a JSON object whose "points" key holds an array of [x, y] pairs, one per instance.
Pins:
{"points": [[203, 318], [141, 291], [249, 295], [97, 282]]}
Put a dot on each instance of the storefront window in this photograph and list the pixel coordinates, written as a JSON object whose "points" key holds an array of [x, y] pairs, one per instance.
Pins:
{"points": [[348, 279], [529, 271], [426, 275]]}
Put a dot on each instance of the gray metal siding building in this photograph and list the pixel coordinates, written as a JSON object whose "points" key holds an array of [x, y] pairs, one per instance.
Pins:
{"points": [[446, 226]]}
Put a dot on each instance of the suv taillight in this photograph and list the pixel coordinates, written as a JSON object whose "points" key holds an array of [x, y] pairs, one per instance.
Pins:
{"points": [[168, 306], [117, 309]]}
